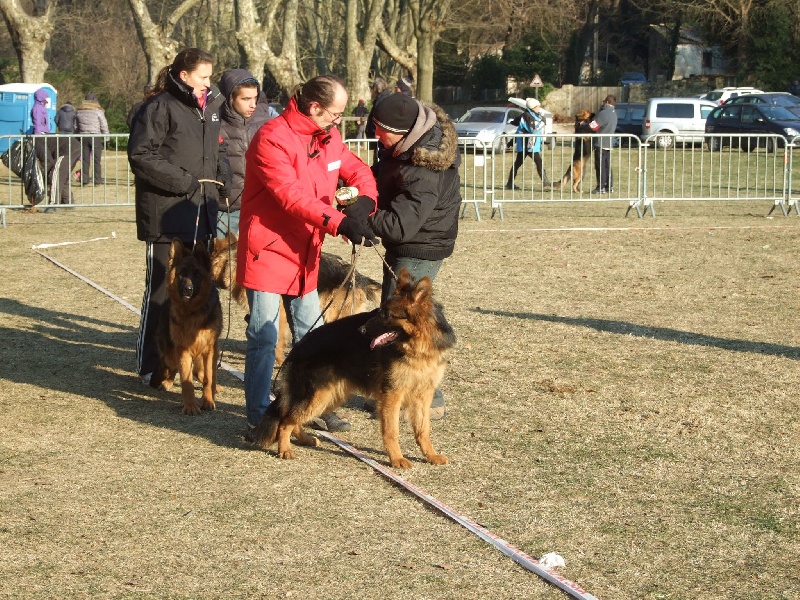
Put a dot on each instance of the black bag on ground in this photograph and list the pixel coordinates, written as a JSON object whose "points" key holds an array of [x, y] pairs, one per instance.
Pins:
{"points": [[31, 176], [12, 158]]}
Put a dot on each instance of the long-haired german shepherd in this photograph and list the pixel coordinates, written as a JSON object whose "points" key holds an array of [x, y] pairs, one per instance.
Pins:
{"points": [[189, 327], [396, 355], [339, 299], [582, 152]]}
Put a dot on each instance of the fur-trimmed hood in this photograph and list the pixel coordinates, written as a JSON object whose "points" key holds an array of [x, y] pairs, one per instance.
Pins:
{"points": [[432, 141]]}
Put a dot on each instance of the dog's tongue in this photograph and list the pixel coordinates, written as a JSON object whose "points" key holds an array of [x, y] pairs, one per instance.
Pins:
{"points": [[382, 339]]}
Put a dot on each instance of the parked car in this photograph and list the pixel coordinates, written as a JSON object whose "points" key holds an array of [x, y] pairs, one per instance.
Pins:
{"points": [[483, 126], [783, 99], [723, 95], [632, 77], [630, 117], [671, 120], [735, 120]]}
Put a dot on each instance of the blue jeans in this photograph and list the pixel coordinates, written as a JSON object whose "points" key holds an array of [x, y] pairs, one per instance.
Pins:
{"points": [[262, 337], [222, 223], [417, 268]]}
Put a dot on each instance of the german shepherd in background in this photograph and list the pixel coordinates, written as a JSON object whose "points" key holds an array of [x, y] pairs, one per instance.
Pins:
{"points": [[582, 152], [189, 327], [396, 355], [332, 272]]}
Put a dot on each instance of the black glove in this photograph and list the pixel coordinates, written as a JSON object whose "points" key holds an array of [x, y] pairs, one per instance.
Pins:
{"points": [[357, 232], [224, 192], [361, 208]]}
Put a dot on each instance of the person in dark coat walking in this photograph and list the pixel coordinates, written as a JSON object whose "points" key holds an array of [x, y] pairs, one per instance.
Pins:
{"points": [[175, 143], [604, 123], [418, 192], [65, 118], [360, 112]]}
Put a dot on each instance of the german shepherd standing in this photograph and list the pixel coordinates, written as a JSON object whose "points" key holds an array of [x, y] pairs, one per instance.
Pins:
{"points": [[396, 355], [582, 152], [189, 327]]}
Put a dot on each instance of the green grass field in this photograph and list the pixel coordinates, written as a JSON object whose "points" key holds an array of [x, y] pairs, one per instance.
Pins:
{"points": [[623, 393]]}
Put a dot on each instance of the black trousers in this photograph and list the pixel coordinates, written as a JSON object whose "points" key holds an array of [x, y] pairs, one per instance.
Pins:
{"points": [[155, 295], [537, 160], [92, 153], [602, 169]]}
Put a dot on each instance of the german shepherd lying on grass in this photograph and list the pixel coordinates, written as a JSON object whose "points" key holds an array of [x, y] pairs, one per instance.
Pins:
{"points": [[189, 327], [582, 152], [396, 355], [332, 272]]}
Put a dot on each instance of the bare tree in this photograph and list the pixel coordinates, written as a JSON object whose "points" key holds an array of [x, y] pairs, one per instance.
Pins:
{"points": [[160, 47], [259, 33], [361, 30], [29, 35], [429, 17]]}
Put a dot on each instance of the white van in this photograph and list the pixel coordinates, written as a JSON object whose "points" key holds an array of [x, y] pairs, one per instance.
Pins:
{"points": [[671, 120], [722, 95]]}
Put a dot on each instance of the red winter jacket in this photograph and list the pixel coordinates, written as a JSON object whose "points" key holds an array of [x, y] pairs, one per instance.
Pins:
{"points": [[291, 174]]}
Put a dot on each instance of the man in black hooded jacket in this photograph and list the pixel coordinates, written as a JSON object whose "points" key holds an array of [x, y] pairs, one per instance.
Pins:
{"points": [[419, 193]]}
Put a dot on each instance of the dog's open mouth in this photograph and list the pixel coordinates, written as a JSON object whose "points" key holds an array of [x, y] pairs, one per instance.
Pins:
{"points": [[383, 339]]}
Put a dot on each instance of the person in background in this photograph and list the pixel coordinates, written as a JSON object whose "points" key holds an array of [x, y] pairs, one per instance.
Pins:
{"points": [[146, 93], [174, 143], [794, 89], [91, 121], [604, 123], [379, 90], [65, 118], [292, 169], [530, 122], [418, 193], [39, 117], [404, 85], [360, 112], [244, 111]]}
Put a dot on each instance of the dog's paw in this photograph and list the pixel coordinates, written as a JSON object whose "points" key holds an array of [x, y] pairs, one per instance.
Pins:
{"points": [[401, 463], [208, 405], [286, 454], [190, 409], [438, 459]]}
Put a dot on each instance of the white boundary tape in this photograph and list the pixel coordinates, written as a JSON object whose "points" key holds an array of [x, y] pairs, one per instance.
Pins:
{"points": [[518, 556]]}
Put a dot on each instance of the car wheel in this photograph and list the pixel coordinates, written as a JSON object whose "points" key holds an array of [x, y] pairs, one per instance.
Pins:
{"points": [[664, 141], [714, 144], [770, 145]]}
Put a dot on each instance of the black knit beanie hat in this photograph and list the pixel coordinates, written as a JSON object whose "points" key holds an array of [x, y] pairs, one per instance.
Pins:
{"points": [[396, 113]]}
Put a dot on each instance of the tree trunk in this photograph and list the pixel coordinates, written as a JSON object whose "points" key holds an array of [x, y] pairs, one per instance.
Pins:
{"points": [[429, 17], [360, 49], [30, 35], [159, 46], [254, 33]]}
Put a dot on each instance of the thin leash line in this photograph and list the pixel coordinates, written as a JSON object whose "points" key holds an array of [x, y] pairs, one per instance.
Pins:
{"points": [[230, 281]]}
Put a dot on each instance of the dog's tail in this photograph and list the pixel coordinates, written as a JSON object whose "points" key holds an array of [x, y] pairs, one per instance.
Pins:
{"points": [[564, 180], [266, 433]]}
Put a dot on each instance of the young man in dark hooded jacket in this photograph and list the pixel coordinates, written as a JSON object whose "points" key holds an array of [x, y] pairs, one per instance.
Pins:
{"points": [[418, 192], [245, 110]]}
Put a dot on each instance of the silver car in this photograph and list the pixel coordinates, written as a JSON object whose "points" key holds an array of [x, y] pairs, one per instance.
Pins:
{"points": [[483, 126]]}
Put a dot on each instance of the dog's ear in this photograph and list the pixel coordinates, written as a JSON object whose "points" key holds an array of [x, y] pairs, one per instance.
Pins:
{"points": [[423, 290], [403, 278], [175, 250], [202, 256]]}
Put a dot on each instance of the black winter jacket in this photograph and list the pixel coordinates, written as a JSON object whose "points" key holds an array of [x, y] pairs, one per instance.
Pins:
{"points": [[418, 191], [238, 131], [173, 144]]}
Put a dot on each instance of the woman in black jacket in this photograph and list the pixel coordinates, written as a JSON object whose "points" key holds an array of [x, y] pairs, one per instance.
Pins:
{"points": [[175, 143]]}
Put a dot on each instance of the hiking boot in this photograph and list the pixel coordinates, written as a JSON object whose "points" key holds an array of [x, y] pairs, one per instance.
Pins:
{"points": [[437, 406], [250, 433], [330, 422]]}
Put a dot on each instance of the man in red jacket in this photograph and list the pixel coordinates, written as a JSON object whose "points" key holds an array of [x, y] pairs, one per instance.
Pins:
{"points": [[293, 165]]}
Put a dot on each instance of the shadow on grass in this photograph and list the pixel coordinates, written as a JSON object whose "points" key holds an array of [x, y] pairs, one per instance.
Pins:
{"points": [[84, 356], [657, 333]]}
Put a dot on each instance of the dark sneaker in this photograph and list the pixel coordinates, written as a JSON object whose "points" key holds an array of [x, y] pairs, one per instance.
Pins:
{"points": [[250, 434], [599, 191], [330, 422]]}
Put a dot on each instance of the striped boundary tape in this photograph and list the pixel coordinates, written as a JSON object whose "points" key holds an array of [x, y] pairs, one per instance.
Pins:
{"points": [[518, 556]]}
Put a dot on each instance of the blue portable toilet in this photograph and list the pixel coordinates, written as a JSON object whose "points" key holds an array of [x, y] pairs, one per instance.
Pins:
{"points": [[16, 102]]}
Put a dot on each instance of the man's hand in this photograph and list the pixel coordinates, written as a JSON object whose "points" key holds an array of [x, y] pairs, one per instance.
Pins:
{"points": [[360, 209], [357, 232]]}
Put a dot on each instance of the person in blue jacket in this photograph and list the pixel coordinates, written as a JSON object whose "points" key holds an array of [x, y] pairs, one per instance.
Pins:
{"points": [[531, 122]]}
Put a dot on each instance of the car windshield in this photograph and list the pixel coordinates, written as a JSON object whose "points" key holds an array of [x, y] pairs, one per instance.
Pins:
{"points": [[787, 100], [482, 116], [778, 113], [713, 96]]}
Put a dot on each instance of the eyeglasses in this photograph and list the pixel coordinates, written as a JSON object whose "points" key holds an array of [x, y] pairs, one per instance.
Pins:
{"points": [[334, 116]]}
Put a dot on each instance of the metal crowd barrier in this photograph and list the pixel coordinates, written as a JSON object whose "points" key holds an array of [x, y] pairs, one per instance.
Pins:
{"points": [[717, 167]]}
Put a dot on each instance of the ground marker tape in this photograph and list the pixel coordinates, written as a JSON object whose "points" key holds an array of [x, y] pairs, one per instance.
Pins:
{"points": [[233, 371], [37, 246], [518, 556]]}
